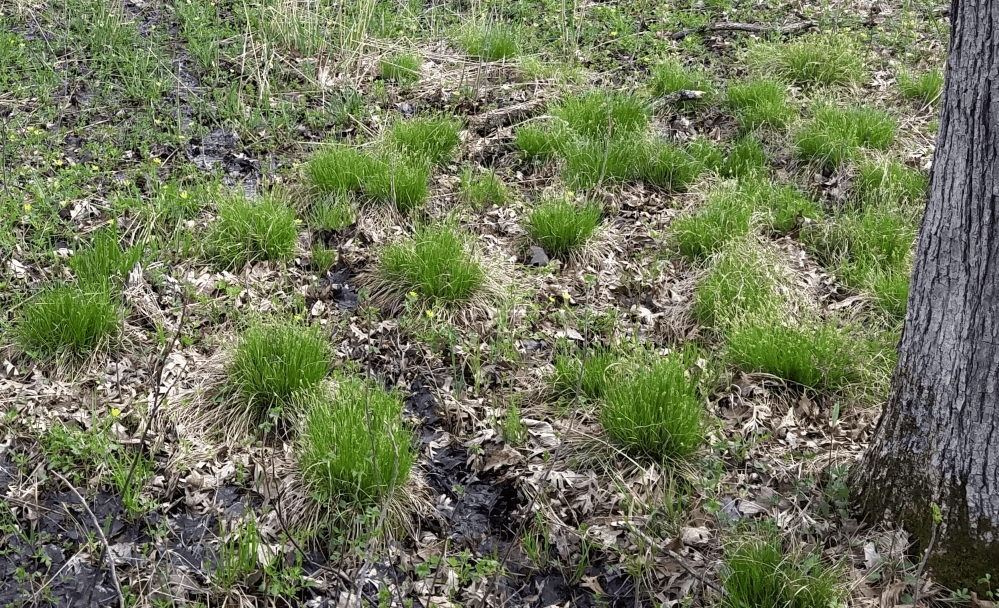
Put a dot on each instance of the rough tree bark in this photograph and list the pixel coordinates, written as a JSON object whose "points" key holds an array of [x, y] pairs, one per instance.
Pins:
{"points": [[938, 438]]}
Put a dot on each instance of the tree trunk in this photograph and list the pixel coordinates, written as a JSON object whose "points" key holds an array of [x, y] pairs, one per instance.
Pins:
{"points": [[938, 438]]}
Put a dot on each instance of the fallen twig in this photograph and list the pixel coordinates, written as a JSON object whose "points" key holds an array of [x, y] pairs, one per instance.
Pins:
{"points": [[100, 531], [754, 28]]}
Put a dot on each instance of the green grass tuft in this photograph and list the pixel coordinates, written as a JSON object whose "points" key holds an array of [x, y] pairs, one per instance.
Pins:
{"points": [[808, 352], [492, 42], [834, 135], [561, 226], [536, 141], [402, 182], [596, 114], [104, 262], [673, 166], [276, 361], [401, 68], [925, 88], [430, 140], [758, 571], [813, 59], [597, 373], [890, 183], [67, 320], [248, 231], [482, 190], [656, 412], [354, 445], [339, 169], [746, 157], [335, 211], [742, 279], [760, 102], [433, 264], [726, 215]]}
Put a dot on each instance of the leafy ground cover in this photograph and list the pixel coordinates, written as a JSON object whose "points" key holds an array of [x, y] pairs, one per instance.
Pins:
{"points": [[496, 303]]}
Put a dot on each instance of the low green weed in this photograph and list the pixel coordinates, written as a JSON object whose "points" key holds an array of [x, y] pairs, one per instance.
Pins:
{"points": [[656, 412], [890, 183], [401, 68], [598, 114], [334, 211], [490, 42], [104, 262], [482, 189], [598, 372], [673, 166], [671, 76], [403, 182], [725, 216], [430, 140], [925, 88], [834, 135], [746, 157], [339, 168], [812, 59], [742, 279]]}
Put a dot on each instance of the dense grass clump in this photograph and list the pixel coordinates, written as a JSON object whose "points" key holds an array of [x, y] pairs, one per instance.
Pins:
{"points": [[482, 190], [725, 216], [433, 264], [746, 157], [490, 42], [403, 182], [401, 68], [834, 135], [276, 361], [597, 114], [925, 88], [808, 352], [339, 169], [743, 279], [354, 446], [675, 167], [104, 262], [431, 140], [562, 226], [890, 183], [248, 231], [334, 211], [67, 320], [537, 141], [814, 59], [656, 412], [589, 162], [597, 370], [759, 572], [671, 76], [760, 102]]}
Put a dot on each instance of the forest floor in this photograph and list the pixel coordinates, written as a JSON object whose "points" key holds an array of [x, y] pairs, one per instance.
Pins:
{"points": [[684, 229]]}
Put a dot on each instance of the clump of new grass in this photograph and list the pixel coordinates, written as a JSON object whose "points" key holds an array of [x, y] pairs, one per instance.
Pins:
{"points": [[333, 212], [760, 102], [784, 204], [671, 76], [248, 231], [276, 361], [599, 114], [814, 59], [104, 261], [675, 167], [597, 370], [924, 88], [834, 135], [400, 181], [561, 226], [434, 264], [725, 216], [431, 139], [808, 352], [482, 189], [536, 141], [758, 571], [742, 279], [746, 157], [339, 169], [401, 68], [490, 42], [354, 446], [589, 162], [66, 320], [890, 182], [656, 412]]}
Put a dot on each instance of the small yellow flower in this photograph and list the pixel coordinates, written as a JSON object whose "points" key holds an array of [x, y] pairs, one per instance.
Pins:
{"points": [[298, 221], [430, 314], [112, 221], [183, 194], [157, 161], [27, 207], [57, 162], [115, 412], [412, 294], [571, 194], [95, 168], [298, 317], [565, 295]]}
